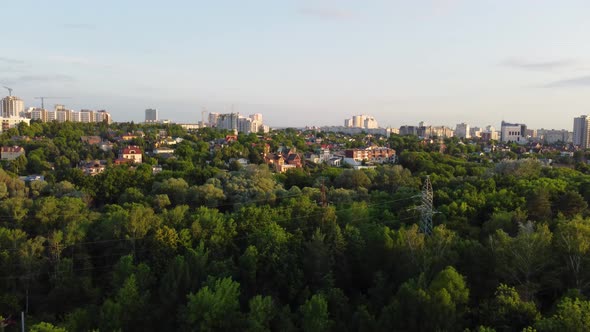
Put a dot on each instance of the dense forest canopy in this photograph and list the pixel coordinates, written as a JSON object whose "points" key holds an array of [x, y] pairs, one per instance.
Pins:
{"points": [[211, 244]]}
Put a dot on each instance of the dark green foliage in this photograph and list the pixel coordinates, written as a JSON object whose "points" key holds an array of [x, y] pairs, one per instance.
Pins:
{"points": [[207, 245]]}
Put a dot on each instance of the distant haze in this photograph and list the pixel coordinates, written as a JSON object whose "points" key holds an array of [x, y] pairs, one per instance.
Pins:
{"points": [[305, 62]]}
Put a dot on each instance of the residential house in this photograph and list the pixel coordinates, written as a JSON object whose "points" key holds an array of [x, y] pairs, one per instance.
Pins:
{"points": [[106, 146], [312, 157], [284, 160], [373, 154], [11, 152], [129, 137], [31, 178], [130, 154], [274, 159], [93, 167], [164, 152], [156, 169], [335, 161], [91, 140]]}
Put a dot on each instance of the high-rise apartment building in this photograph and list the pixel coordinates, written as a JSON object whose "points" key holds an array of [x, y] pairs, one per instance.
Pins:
{"points": [[513, 132], [361, 121], [256, 117], [489, 133], [151, 115], [228, 121], [61, 114], [86, 116], [236, 122], [582, 131], [213, 119], [38, 114], [370, 123], [552, 136], [103, 116], [462, 130], [475, 132], [244, 125], [408, 130], [12, 107]]}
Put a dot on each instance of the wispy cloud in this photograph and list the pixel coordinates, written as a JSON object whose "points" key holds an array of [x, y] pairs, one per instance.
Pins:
{"points": [[76, 60], [79, 26], [11, 61], [442, 7], [46, 78], [327, 13], [538, 65], [49, 78], [581, 81]]}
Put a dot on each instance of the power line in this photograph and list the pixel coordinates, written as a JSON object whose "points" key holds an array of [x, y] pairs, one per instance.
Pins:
{"points": [[278, 221], [147, 249]]}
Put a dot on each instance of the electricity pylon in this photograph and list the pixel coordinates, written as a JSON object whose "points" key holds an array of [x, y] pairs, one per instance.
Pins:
{"points": [[426, 210]]}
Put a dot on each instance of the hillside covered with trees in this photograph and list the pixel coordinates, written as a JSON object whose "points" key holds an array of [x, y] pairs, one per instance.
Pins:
{"points": [[209, 244]]}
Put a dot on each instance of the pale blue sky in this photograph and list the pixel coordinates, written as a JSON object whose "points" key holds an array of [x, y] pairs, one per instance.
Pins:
{"points": [[304, 62]]}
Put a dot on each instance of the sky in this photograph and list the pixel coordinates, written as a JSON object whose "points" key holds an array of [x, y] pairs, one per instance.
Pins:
{"points": [[305, 62]]}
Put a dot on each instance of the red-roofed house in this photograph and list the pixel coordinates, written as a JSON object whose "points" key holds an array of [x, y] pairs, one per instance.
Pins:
{"points": [[130, 154], [11, 152], [283, 161]]}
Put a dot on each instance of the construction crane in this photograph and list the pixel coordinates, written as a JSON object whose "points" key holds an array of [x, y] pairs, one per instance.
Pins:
{"points": [[43, 100], [203, 116], [9, 91]]}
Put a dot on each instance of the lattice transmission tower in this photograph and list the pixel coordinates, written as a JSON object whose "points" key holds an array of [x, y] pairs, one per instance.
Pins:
{"points": [[426, 210]]}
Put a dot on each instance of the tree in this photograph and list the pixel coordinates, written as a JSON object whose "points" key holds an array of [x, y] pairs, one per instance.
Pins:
{"points": [[141, 220], [19, 165], [317, 262], [507, 311], [261, 313], [571, 315], [46, 327], [176, 189], [443, 302], [572, 241], [571, 203], [214, 307], [314, 314], [450, 295], [214, 228], [207, 195], [539, 205], [522, 259], [126, 310], [352, 179], [31, 256]]}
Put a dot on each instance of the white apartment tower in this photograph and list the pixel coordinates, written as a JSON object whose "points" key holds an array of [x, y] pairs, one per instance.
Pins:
{"points": [[85, 116], [12, 107], [228, 121], [491, 132], [582, 131], [39, 114], [213, 119], [151, 115], [462, 130], [361, 121], [370, 123], [256, 117], [358, 121]]}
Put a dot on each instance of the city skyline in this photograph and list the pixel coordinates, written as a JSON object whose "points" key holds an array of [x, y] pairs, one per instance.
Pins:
{"points": [[306, 62]]}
